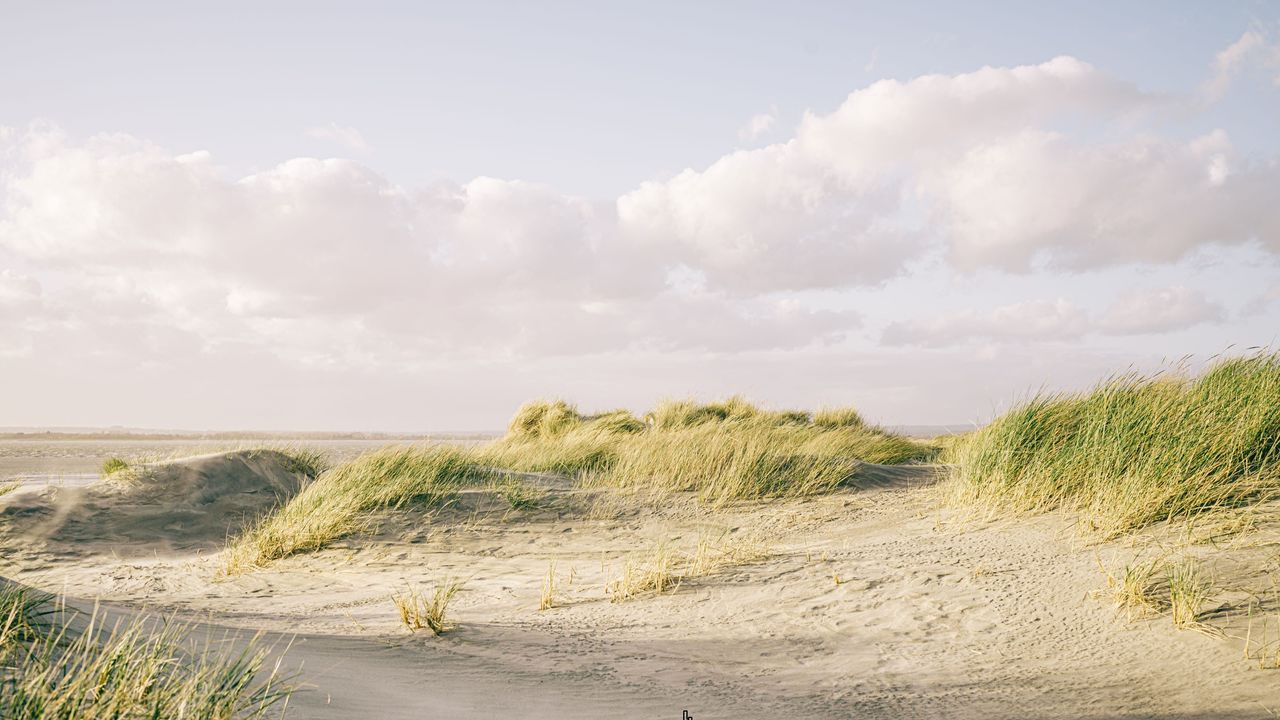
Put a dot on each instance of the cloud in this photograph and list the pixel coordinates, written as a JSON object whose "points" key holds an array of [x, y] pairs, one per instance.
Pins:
{"points": [[1250, 49], [1134, 312], [1140, 312], [329, 264], [347, 137], [758, 125], [1039, 196], [1035, 320]]}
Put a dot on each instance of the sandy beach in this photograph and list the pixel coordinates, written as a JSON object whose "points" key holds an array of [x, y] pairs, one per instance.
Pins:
{"points": [[870, 602]]}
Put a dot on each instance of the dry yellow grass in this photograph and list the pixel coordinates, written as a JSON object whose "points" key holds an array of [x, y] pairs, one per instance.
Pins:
{"points": [[421, 611], [548, 599], [662, 568]]}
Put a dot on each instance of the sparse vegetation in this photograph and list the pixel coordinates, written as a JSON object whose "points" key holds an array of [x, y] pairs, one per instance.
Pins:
{"points": [[136, 669], [339, 501], [1188, 591], [662, 568], [548, 599], [1134, 450], [723, 451], [113, 465], [1136, 589], [651, 573], [420, 611]]}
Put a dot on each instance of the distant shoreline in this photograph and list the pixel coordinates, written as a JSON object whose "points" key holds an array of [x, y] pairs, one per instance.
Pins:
{"points": [[55, 435]]}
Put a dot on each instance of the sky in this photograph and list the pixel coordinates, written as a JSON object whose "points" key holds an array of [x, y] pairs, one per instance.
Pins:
{"points": [[416, 216]]}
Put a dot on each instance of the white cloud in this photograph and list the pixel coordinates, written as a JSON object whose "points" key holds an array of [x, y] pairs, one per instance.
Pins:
{"points": [[1040, 195], [1140, 312], [1249, 48], [1035, 320], [347, 137], [758, 125], [326, 263], [1134, 312]]}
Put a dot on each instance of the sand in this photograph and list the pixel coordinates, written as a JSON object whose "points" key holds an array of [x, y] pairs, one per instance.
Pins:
{"points": [[871, 603]]}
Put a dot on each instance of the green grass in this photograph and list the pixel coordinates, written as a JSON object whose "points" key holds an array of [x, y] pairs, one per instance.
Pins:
{"points": [[1135, 450], [722, 451], [339, 501], [129, 670], [113, 465]]}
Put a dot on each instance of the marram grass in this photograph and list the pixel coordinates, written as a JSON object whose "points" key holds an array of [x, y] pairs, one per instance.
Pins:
{"points": [[129, 670], [339, 501], [1135, 450], [723, 451]]}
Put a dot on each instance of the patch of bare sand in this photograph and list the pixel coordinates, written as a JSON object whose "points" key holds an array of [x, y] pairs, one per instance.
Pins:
{"points": [[871, 604]]}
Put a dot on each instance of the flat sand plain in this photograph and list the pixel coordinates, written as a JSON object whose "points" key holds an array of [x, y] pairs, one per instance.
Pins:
{"points": [[871, 602]]}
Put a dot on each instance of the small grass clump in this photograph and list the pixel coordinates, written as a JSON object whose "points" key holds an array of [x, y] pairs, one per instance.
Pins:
{"points": [[113, 465], [548, 598], [420, 611], [1136, 589], [650, 574], [1188, 591], [662, 568], [1135, 450], [135, 669], [339, 501]]}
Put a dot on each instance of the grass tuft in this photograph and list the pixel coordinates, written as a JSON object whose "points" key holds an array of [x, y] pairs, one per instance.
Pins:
{"points": [[1137, 589], [1188, 591], [134, 669], [548, 599], [652, 573], [113, 465], [339, 501], [1135, 450], [419, 611]]}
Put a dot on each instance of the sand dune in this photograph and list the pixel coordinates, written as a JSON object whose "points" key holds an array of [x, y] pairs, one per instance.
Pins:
{"points": [[191, 504], [870, 603]]}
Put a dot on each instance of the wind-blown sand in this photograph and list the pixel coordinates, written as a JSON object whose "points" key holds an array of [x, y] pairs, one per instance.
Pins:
{"points": [[932, 617]]}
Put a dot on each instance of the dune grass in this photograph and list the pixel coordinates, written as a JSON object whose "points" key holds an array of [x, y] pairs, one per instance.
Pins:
{"points": [[547, 600], [723, 451], [339, 502], [662, 568], [1135, 450], [113, 465], [427, 611], [128, 670]]}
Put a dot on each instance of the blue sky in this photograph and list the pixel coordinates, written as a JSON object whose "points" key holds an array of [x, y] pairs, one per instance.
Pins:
{"points": [[293, 216]]}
